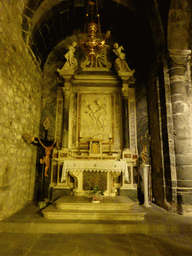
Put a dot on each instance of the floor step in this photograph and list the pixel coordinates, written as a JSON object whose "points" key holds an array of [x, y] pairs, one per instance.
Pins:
{"points": [[81, 208], [85, 203]]}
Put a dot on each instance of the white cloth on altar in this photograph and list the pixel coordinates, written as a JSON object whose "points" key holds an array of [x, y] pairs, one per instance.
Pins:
{"points": [[93, 166]]}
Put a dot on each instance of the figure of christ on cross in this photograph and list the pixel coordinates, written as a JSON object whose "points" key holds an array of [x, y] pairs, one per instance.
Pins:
{"points": [[46, 159]]}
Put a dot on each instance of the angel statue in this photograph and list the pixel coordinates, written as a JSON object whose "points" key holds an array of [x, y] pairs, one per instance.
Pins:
{"points": [[71, 62], [121, 65], [117, 50], [70, 54]]}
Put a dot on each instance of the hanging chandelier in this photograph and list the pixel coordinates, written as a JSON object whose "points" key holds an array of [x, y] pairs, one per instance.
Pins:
{"points": [[93, 42]]}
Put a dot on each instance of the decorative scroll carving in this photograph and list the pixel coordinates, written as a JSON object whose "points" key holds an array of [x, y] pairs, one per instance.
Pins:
{"points": [[100, 63]]}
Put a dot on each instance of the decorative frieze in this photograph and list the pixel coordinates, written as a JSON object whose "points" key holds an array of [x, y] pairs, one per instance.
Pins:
{"points": [[100, 63], [132, 122]]}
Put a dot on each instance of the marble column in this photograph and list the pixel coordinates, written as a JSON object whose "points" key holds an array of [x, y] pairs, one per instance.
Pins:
{"points": [[181, 120]]}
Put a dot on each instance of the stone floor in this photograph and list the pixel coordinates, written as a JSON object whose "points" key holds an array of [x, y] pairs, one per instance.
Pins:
{"points": [[160, 234]]}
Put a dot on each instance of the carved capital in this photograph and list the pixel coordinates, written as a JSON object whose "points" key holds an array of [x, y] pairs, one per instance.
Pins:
{"points": [[125, 90], [67, 89], [178, 60]]}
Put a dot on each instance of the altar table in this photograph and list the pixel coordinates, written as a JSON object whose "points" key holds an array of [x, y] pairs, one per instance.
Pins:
{"points": [[113, 169]]}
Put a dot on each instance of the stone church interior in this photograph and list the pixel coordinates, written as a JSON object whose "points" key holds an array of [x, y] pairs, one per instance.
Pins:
{"points": [[95, 98]]}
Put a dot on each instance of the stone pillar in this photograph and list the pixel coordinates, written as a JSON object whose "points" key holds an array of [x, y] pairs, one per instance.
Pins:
{"points": [[145, 170], [181, 122]]}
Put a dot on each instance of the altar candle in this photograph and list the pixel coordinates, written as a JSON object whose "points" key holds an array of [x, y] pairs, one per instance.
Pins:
{"points": [[110, 135]]}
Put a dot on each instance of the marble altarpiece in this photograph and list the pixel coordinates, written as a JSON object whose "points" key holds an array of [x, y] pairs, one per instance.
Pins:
{"points": [[95, 127]]}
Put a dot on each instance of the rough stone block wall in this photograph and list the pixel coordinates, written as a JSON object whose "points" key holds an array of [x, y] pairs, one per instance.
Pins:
{"points": [[20, 98]]}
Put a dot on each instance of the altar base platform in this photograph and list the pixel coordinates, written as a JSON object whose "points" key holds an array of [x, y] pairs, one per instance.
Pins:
{"points": [[81, 208]]}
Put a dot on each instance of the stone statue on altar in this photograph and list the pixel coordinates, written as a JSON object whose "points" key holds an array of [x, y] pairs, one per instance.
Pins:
{"points": [[71, 62], [121, 65], [70, 54], [117, 50]]}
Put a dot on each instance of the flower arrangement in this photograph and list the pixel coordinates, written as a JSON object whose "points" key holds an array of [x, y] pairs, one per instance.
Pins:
{"points": [[96, 191]]}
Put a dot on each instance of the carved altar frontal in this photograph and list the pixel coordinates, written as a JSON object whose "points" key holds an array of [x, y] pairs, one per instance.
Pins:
{"points": [[92, 180]]}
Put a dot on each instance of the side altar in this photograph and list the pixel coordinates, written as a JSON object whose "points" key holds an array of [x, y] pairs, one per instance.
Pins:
{"points": [[95, 127]]}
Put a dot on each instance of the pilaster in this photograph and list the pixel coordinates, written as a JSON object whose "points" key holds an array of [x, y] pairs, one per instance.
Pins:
{"points": [[125, 95], [67, 90], [129, 109]]}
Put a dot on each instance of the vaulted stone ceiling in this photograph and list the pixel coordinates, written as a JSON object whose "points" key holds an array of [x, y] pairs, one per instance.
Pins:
{"points": [[46, 23]]}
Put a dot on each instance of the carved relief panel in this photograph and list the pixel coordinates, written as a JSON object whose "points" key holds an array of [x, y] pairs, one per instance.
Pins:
{"points": [[95, 115]]}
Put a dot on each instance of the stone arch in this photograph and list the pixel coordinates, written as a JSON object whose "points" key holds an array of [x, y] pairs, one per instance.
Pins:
{"points": [[158, 27], [178, 25]]}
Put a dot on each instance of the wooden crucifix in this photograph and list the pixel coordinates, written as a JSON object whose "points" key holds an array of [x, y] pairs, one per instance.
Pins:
{"points": [[44, 143], [46, 159]]}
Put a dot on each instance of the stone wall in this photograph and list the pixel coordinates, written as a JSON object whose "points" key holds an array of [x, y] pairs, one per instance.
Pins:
{"points": [[20, 98]]}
